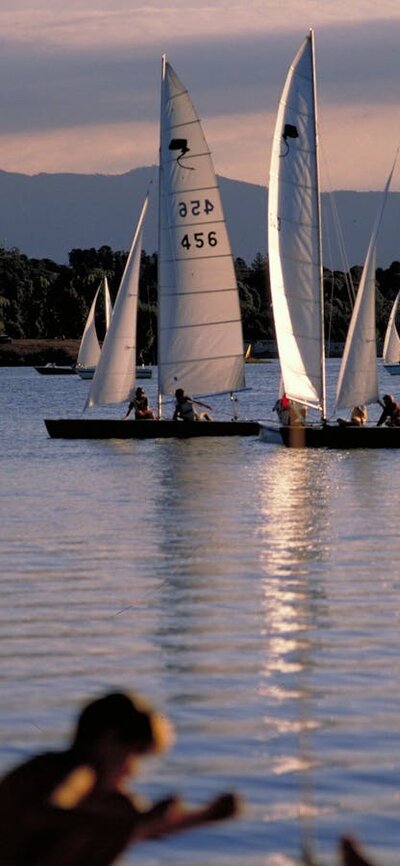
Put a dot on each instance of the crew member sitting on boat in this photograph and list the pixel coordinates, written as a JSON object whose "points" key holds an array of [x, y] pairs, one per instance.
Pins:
{"points": [[391, 412], [185, 408], [289, 412], [359, 417], [140, 404]]}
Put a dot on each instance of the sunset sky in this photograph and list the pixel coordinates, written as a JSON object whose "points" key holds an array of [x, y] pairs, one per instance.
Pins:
{"points": [[80, 88]]}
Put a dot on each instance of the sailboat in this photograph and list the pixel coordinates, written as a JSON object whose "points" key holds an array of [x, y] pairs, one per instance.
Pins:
{"points": [[89, 349], [200, 342], [295, 257], [391, 343]]}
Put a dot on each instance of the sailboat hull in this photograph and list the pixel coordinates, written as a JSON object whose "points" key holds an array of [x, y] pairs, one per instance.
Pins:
{"points": [[108, 428], [333, 436], [55, 370]]}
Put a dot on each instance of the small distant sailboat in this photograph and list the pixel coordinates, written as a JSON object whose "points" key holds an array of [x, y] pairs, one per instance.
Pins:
{"points": [[200, 343], [391, 344], [295, 255], [52, 369], [89, 349]]}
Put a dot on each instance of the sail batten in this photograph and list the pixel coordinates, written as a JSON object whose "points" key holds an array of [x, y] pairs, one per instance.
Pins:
{"points": [[200, 341]]}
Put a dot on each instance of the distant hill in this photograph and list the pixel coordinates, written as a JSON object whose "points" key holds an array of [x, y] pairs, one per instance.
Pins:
{"points": [[47, 215]]}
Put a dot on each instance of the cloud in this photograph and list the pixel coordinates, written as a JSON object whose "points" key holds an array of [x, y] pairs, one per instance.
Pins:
{"points": [[79, 85]]}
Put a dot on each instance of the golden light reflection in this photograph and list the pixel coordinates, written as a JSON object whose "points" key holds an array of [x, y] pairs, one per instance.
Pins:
{"points": [[294, 546]]}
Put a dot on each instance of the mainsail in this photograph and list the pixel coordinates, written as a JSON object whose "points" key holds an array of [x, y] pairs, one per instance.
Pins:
{"points": [[294, 235], [391, 343], [115, 372], [358, 375], [200, 343], [89, 349]]}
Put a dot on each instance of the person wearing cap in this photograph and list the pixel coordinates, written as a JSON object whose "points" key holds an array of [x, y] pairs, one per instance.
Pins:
{"points": [[140, 404], [71, 808]]}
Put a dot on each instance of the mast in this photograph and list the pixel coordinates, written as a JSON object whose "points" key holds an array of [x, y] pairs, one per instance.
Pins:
{"points": [[160, 194], [321, 275]]}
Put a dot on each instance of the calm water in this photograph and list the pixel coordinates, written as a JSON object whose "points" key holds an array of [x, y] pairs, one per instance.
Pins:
{"points": [[251, 592]]}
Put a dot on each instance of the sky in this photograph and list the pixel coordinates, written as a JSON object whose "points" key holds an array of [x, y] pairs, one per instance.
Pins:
{"points": [[80, 82]]}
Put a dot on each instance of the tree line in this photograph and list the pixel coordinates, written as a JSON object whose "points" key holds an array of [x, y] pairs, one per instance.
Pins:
{"points": [[40, 299]]}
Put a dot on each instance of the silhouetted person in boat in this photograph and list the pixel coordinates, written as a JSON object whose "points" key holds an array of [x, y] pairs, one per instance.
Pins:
{"points": [[359, 417], [71, 808], [289, 412], [391, 412], [140, 404], [185, 408]]}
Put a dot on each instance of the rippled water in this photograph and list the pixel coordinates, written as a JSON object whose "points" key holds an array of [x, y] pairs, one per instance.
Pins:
{"points": [[251, 592]]}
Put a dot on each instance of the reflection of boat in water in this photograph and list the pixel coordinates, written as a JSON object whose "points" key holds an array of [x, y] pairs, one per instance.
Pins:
{"points": [[56, 370], [391, 344], [200, 343], [295, 258]]}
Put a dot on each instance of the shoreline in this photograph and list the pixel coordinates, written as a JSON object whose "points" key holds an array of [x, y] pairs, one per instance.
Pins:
{"points": [[34, 353]]}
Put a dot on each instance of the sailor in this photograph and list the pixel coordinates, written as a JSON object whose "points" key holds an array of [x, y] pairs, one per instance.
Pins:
{"points": [[359, 417], [391, 412], [289, 412], [140, 404], [185, 408]]}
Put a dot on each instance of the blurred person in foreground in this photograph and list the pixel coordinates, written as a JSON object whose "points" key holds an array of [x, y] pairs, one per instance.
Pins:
{"points": [[71, 807], [351, 853]]}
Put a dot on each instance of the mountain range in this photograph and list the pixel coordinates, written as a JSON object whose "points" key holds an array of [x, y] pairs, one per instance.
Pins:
{"points": [[47, 215]]}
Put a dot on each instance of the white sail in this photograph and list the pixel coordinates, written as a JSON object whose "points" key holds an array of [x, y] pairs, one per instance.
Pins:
{"points": [[115, 372], [358, 375], [294, 235], [89, 349], [200, 343], [391, 343], [107, 304]]}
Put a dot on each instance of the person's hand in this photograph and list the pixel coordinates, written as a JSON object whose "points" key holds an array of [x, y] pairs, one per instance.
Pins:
{"points": [[224, 806]]}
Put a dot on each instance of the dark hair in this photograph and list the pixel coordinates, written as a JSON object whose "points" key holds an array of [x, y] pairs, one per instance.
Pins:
{"points": [[129, 719], [179, 392]]}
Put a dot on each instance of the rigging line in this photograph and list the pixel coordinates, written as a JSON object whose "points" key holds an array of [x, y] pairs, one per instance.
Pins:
{"points": [[338, 230]]}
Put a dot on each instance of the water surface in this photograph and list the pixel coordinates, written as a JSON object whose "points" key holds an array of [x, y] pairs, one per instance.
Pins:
{"points": [[252, 593]]}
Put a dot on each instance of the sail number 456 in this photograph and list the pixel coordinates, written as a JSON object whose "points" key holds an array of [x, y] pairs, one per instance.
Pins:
{"points": [[199, 239]]}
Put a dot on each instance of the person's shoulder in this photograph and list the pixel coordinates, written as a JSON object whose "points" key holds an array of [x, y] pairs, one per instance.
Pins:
{"points": [[37, 767]]}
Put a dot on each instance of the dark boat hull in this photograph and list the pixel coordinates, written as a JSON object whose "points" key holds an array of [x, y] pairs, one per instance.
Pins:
{"points": [[53, 370], [105, 428], [336, 436]]}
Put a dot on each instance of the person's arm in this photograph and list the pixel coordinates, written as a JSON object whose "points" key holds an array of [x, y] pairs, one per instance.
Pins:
{"points": [[172, 816], [199, 403], [130, 407], [382, 418]]}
